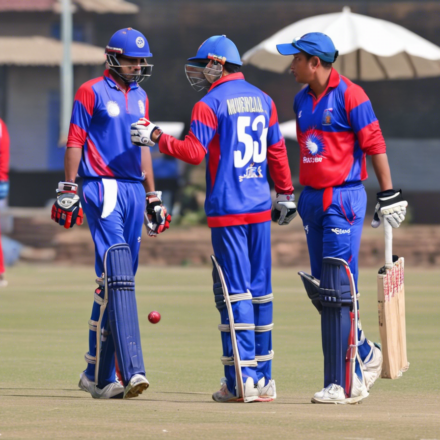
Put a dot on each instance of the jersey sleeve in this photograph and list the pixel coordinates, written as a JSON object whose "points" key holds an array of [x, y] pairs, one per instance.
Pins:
{"points": [[195, 145], [4, 152], [277, 156], [82, 113], [363, 121]]}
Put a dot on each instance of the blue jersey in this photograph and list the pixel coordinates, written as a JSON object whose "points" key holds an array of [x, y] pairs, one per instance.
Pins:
{"points": [[100, 125], [236, 127]]}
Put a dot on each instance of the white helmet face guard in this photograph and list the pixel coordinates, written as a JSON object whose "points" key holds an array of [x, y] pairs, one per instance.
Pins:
{"points": [[114, 65], [200, 76]]}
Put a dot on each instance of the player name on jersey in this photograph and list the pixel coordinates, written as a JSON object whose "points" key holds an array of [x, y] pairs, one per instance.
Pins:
{"points": [[245, 104]]}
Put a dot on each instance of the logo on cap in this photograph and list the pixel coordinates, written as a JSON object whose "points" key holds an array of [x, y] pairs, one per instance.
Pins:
{"points": [[140, 42]]}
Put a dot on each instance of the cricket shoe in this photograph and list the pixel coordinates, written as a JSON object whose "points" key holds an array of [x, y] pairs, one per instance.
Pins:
{"points": [[112, 391], [335, 394], [266, 393], [251, 393], [372, 365], [137, 385]]}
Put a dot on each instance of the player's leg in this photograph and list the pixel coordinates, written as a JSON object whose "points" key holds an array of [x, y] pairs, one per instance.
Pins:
{"points": [[231, 251], [259, 246]]}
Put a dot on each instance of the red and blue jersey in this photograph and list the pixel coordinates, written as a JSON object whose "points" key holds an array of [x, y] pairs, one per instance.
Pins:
{"points": [[100, 125], [235, 126], [335, 132], [4, 152]]}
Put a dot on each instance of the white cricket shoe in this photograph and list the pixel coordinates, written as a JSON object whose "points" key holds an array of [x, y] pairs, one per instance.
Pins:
{"points": [[372, 365], [266, 393], [335, 394], [251, 393], [112, 391], [137, 385]]}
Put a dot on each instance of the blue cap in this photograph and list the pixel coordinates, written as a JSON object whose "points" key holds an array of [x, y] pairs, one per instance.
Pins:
{"points": [[130, 43], [314, 43], [219, 48]]}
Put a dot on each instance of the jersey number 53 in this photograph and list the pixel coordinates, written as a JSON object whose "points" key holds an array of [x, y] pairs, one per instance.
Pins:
{"points": [[255, 150]]}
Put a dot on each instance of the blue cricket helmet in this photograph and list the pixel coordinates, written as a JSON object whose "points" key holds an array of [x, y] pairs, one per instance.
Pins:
{"points": [[130, 43], [218, 48]]}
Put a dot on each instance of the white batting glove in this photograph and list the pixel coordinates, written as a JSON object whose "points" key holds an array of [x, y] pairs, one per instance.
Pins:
{"points": [[284, 209], [141, 132], [391, 207]]}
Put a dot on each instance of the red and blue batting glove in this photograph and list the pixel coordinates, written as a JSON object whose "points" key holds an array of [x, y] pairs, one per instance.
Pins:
{"points": [[67, 210], [157, 219]]}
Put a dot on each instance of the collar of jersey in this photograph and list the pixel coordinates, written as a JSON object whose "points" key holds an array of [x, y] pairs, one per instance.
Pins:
{"points": [[230, 77], [333, 82], [112, 83]]}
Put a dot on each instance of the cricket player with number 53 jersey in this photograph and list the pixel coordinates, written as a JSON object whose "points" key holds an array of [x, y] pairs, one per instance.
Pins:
{"points": [[336, 129], [117, 193], [235, 127]]}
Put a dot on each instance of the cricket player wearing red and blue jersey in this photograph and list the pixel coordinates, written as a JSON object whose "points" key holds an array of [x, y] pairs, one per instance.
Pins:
{"points": [[235, 128], [336, 129], [117, 177], [4, 184]]}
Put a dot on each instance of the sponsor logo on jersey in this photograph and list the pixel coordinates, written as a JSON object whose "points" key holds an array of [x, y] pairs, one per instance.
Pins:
{"points": [[141, 107], [140, 42], [252, 172], [313, 147], [139, 239], [113, 108], [327, 116], [338, 231], [245, 104], [306, 228]]}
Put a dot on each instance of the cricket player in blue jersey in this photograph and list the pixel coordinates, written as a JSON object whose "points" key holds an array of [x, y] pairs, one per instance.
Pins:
{"points": [[117, 193], [336, 129], [235, 127]]}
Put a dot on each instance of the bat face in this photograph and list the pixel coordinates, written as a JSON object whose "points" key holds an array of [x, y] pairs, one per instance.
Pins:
{"points": [[392, 327]]}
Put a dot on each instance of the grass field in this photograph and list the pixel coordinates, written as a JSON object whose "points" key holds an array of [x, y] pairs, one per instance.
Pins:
{"points": [[44, 316]]}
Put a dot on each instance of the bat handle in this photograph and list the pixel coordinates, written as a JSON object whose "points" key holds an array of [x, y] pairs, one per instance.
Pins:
{"points": [[388, 244]]}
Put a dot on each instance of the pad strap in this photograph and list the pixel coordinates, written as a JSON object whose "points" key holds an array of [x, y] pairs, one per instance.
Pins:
{"points": [[263, 299], [93, 325], [263, 328], [90, 359], [98, 299], [265, 358], [229, 361], [237, 326], [240, 297]]}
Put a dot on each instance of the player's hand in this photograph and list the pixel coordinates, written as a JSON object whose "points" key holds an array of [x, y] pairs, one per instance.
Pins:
{"points": [[4, 189], [142, 133], [157, 219], [67, 210], [391, 207], [284, 209]]}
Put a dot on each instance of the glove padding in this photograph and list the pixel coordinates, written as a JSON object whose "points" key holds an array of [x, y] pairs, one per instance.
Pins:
{"points": [[141, 132], [4, 189], [284, 209], [156, 217], [390, 206], [67, 210]]}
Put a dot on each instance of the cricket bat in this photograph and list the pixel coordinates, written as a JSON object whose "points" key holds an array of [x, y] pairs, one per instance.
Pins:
{"points": [[391, 308]]}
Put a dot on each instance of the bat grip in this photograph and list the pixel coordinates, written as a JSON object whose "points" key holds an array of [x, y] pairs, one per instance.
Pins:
{"points": [[388, 244]]}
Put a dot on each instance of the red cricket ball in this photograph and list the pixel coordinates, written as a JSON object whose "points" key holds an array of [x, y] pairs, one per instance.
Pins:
{"points": [[154, 317]]}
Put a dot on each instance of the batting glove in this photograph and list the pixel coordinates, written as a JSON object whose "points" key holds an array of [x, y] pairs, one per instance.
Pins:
{"points": [[141, 132], [156, 217], [391, 207], [67, 210], [284, 209], [4, 189]]}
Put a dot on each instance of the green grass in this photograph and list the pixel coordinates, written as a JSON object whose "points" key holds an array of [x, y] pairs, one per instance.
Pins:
{"points": [[44, 316]]}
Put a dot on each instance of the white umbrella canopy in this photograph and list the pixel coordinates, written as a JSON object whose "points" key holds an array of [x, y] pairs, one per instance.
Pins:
{"points": [[369, 48]]}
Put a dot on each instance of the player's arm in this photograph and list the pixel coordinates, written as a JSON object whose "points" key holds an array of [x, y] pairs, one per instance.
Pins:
{"points": [[4, 160], [390, 203], [284, 208]]}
